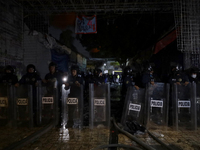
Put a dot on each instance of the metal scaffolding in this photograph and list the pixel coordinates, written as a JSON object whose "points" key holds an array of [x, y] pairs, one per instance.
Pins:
{"points": [[90, 7], [187, 19]]}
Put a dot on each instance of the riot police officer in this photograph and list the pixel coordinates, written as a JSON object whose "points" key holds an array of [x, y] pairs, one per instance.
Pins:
{"points": [[89, 78], [9, 77], [53, 75], [179, 78], [74, 78], [99, 77], [127, 80], [53, 80], [149, 77], [31, 77], [73, 83], [193, 76]]}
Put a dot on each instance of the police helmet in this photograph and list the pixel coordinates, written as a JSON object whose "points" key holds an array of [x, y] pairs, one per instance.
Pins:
{"points": [[194, 71], [9, 68], [150, 68], [52, 64], [127, 70], [175, 67], [75, 67], [30, 66]]}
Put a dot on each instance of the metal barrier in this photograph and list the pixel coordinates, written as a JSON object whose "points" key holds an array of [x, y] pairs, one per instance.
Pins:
{"points": [[72, 106], [99, 105], [184, 106], [6, 104], [156, 103], [134, 106]]}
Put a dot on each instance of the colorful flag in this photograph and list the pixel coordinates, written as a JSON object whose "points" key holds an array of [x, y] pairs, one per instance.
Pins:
{"points": [[86, 25], [165, 41]]}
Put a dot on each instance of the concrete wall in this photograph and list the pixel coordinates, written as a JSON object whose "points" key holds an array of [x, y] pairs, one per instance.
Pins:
{"points": [[36, 53]]}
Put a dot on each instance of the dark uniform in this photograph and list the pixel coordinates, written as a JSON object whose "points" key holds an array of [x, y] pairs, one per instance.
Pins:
{"points": [[9, 77], [74, 81], [53, 80], [127, 80], [193, 76], [99, 78], [32, 78], [89, 78], [178, 77], [148, 77], [53, 76]]}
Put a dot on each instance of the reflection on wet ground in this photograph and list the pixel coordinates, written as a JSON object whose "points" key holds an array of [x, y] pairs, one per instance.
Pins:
{"points": [[87, 139], [10, 135]]}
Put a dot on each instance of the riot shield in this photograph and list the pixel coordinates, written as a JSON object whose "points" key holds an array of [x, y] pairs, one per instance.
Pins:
{"points": [[6, 105], [72, 106], [184, 106], [23, 97], [99, 105], [47, 103], [133, 106], [198, 104], [156, 103]]}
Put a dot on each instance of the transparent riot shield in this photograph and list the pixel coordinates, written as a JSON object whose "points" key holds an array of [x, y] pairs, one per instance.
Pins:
{"points": [[99, 105], [23, 97], [72, 106], [184, 106], [198, 104], [6, 105], [47, 103], [157, 103], [133, 106]]}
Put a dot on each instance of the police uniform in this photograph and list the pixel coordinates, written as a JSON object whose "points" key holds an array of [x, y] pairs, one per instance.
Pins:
{"points": [[52, 77], [9, 78], [89, 78], [178, 77], [193, 77], [148, 77], [30, 78], [72, 84], [98, 80]]}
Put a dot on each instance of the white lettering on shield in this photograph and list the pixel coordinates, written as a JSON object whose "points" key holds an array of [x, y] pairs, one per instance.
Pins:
{"points": [[156, 103], [47, 100], [134, 107], [22, 101], [184, 104], [99, 102], [72, 101], [3, 102]]}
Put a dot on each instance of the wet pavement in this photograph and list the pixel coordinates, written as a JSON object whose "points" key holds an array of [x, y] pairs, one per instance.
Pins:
{"points": [[10, 135], [88, 139]]}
